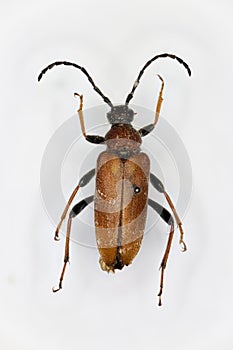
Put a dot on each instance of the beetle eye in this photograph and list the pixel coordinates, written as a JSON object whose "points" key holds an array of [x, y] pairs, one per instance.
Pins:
{"points": [[136, 189]]}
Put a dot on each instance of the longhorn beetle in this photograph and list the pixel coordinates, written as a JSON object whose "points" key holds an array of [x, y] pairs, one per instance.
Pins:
{"points": [[122, 175]]}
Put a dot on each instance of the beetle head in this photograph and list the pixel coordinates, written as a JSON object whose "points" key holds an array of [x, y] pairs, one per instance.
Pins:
{"points": [[121, 114]]}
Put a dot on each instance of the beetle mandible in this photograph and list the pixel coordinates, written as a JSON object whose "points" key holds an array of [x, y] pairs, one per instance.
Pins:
{"points": [[122, 177]]}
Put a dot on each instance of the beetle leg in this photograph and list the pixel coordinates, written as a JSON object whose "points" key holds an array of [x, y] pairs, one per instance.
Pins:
{"points": [[158, 185], [166, 216], [148, 128], [90, 138], [66, 257], [159, 102], [83, 182], [73, 213], [178, 221]]}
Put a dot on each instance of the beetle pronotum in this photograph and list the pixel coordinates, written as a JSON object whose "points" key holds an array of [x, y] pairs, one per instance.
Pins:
{"points": [[122, 177]]}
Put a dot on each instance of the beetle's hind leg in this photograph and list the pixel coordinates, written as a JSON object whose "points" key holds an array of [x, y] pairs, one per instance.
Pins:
{"points": [[166, 216], [158, 185], [73, 213]]}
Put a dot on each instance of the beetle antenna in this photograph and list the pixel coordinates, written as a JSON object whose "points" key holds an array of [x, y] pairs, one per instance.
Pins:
{"points": [[58, 63], [130, 96]]}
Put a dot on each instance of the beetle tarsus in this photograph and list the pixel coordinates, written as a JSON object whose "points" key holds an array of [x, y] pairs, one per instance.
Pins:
{"points": [[56, 236], [183, 246], [161, 290], [182, 243], [160, 299], [55, 290], [80, 102]]}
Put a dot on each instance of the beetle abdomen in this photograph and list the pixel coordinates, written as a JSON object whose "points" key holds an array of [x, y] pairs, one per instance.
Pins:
{"points": [[120, 207]]}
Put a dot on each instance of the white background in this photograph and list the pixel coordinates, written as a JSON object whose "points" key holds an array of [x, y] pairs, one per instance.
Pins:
{"points": [[113, 39]]}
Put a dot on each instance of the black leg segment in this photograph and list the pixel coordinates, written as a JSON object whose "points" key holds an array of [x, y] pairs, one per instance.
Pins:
{"points": [[95, 139], [80, 206], [163, 213], [146, 130], [156, 183], [87, 178]]}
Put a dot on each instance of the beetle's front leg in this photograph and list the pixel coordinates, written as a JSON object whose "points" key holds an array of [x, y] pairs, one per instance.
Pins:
{"points": [[156, 183], [148, 128], [73, 213], [83, 182], [90, 138]]}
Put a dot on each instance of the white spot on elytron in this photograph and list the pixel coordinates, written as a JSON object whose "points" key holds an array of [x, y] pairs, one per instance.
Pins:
{"points": [[101, 194]]}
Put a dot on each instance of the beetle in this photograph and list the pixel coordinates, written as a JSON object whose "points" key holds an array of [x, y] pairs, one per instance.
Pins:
{"points": [[122, 175]]}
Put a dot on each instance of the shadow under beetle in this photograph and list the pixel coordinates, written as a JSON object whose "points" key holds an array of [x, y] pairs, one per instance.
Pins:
{"points": [[122, 176]]}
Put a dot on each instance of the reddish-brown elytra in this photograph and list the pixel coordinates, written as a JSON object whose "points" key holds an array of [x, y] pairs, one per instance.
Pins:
{"points": [[122, 177]]}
